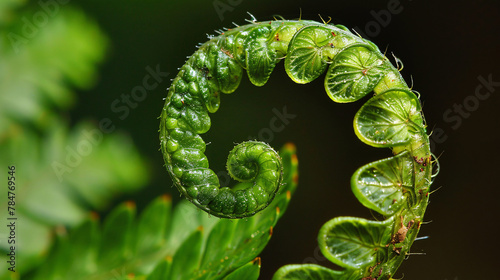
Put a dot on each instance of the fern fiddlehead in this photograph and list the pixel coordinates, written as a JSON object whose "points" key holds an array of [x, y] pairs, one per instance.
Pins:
{"points": [[396, 187]]}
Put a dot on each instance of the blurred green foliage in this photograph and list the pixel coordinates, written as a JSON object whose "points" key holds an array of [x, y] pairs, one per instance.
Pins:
{"points": [[62, 171]]}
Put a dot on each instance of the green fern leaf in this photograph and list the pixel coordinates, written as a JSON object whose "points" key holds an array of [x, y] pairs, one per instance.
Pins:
{"points": [[185, 244]]}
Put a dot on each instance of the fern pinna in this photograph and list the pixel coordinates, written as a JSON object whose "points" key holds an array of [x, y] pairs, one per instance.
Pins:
{"points": [[396, 187]]}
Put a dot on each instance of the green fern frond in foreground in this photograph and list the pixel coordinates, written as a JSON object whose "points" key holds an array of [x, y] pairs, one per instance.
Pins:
{"points": [[163, 244]]}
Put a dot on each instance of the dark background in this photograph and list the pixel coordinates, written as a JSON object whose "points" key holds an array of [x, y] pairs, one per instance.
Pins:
{"points": [[445, 47]]}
